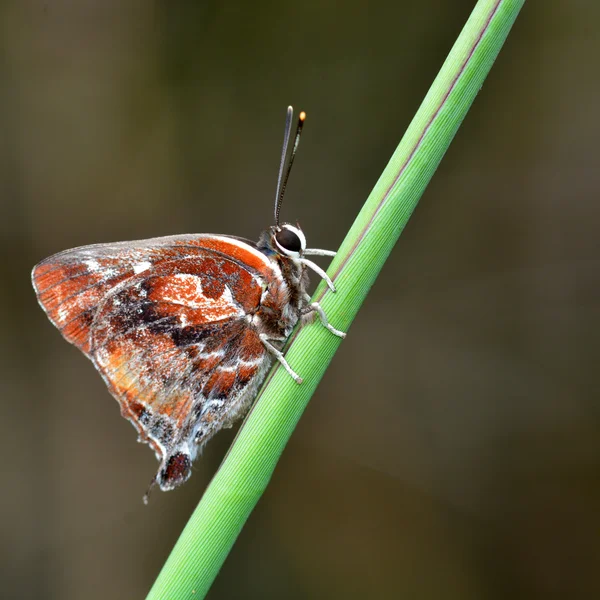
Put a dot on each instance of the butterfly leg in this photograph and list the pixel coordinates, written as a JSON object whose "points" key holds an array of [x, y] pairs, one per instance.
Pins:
{"points": [[317, 269], [279, 356], [315, 307], [319, 252]]}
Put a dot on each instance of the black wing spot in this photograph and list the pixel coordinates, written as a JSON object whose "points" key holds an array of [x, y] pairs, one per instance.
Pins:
{"points": [[191, 334], [176, 471]]}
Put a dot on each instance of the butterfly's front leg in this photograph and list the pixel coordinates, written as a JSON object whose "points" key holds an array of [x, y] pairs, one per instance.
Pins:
{"points": [[314, 307]]}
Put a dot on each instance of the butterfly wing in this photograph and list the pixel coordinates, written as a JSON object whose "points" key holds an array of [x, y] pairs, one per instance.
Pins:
{"points": [[167, 322]]}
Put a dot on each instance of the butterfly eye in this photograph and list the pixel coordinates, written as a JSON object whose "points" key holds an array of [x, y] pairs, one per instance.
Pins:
{"points": [[288, 240]]}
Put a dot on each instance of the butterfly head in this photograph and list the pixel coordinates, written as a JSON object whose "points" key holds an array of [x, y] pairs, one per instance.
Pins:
{"points": [[288, 240]]}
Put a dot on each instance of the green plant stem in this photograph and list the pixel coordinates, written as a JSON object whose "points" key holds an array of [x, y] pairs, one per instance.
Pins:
{"points": [[247, 469]]}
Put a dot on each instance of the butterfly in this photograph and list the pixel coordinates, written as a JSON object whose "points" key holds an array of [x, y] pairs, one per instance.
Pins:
{"points": [[183, 329]]}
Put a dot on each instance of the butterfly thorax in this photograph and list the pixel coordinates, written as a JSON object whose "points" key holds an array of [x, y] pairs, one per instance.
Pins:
{"points": [[283, 299]]}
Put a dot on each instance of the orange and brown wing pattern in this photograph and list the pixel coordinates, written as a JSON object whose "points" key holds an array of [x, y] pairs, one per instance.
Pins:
{"points": [[71, 285], [170, 344], [70, 289], [167, 323]]}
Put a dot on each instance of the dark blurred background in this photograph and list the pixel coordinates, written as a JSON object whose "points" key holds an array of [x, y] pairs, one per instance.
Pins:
{"points": [[453, 448]]}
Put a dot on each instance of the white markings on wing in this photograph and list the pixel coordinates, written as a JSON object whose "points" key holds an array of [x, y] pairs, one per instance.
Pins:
{"points": [[141, 267], [241, 363], [62, 313], [92, 265], [211, 355], [188, 292]]}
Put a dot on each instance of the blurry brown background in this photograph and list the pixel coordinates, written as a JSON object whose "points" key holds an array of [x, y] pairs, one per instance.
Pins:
{"points": [[453, 448]]}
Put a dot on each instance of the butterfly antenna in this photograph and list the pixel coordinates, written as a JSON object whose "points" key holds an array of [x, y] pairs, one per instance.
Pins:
{"points": [[283, 179]]}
